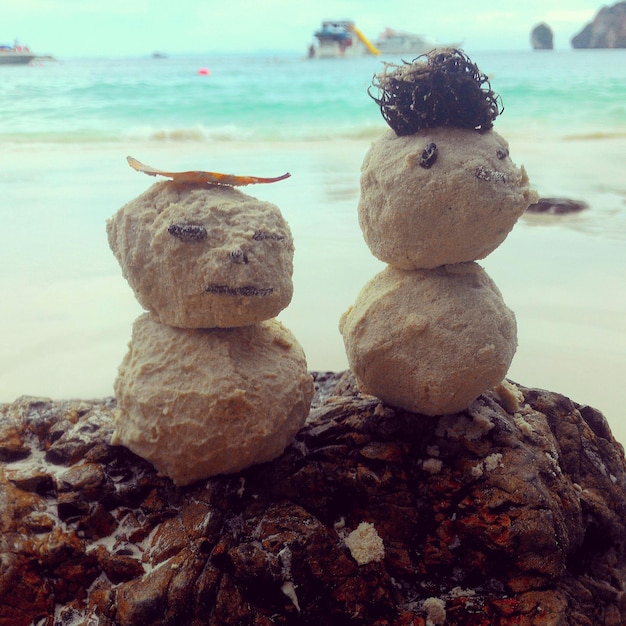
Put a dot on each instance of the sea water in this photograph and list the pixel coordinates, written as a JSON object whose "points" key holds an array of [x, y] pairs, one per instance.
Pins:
{"points": [[286, 97], [67, 126]]}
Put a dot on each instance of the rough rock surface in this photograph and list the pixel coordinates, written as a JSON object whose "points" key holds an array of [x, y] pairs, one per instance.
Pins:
{"points": [[510, 512], [542, 37], [607, 30]]}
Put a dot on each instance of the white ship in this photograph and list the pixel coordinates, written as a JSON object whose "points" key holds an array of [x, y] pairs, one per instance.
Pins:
{"points": [[340, 38], [393, 42]]}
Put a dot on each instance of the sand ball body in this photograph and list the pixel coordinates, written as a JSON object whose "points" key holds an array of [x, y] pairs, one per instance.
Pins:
{"points": [[204, 257], [429, 341], [443, 195], [196, 403]]}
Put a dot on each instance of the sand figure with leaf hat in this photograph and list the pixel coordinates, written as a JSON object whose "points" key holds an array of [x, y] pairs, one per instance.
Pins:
{"points": [[439, 191], [211, 382]]}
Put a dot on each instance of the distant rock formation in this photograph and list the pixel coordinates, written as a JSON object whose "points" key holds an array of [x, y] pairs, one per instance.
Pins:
{"points": [[608, 29], [542, 37]]}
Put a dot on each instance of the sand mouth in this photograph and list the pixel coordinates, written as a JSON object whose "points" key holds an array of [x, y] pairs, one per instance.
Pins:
{"points": [[246, 290]]}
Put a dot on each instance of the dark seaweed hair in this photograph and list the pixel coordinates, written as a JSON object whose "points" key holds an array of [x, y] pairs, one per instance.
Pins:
{"points": [[440, 88]]}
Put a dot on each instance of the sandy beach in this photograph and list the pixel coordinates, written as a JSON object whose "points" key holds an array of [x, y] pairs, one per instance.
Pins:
{"points": [[67, 311]]}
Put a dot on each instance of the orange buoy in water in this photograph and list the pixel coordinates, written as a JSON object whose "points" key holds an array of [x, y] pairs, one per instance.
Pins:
{"points": [[204, 71]]}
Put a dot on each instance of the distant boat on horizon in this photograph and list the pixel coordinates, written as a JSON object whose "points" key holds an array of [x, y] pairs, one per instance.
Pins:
{"points": [[20, 55], [15, 55], [340, 39], [398, 42]]}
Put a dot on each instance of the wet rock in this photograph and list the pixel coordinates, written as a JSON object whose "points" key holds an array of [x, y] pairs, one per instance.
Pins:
{"points": [[12, 446], [510, 512], [557, 206], [31, 478]]}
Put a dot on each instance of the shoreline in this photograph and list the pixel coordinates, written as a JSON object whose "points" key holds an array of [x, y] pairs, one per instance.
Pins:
{"points": [[67, 322]]}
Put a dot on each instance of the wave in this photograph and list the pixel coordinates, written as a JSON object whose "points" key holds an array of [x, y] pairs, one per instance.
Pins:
{"points": [[202, 134], [359, 130]]}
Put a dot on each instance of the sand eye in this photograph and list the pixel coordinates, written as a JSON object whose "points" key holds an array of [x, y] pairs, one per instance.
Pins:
{"points": [[188, 232], [262, 235], [429, 156], [502, 153]]}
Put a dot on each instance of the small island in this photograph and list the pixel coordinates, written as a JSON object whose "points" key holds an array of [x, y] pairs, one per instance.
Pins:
{"points": [[542, 37]]}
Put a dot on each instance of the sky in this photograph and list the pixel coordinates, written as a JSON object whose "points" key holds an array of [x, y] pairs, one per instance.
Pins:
{"points": [[87, 28]]}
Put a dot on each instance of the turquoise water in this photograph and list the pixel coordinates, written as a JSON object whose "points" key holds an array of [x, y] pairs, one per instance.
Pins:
{"points": [[286, 98]]}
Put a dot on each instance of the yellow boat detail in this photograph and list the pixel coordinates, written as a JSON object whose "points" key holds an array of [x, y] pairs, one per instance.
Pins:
{"points": [[364, 40]]}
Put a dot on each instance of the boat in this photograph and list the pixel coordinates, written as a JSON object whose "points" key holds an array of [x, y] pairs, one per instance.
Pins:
{"points": [[340, 38], [15, 55], [397, 42]]}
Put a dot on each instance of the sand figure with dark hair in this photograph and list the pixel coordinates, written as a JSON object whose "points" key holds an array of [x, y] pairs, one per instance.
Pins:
{"points": [[439, 191]]}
